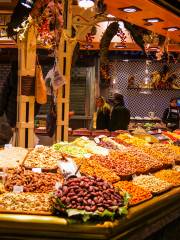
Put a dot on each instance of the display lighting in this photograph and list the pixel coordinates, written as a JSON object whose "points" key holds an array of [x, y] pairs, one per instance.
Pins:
{"points": [[27, 3], [119, 46], [171, 29], [153, 20], [86, 3], [130, 9]]}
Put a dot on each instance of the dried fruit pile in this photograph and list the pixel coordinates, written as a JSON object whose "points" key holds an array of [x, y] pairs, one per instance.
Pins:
{"points": [[138, 194], [170, 176], [32, 203], [70, 150], [31, 181], [90, 167], [152, 184], [88, 195]]}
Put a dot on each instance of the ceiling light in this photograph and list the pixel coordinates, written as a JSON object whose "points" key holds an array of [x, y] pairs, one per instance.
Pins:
{"points": [[130, 9], [153, 20], [171, 29], [27, 3], [86, 3]]}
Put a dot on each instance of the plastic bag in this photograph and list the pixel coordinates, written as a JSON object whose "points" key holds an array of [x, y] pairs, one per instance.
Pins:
{"points": [[55, 78]]}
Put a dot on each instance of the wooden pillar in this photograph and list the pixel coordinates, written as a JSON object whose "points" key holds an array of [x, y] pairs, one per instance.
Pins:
{"points": [[64, 55], [25, 104]]}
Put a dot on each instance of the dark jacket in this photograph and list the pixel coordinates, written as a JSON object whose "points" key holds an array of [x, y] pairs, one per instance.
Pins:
{"points": [[103, 119], [120, 118], [8, 96], [171, 118]]}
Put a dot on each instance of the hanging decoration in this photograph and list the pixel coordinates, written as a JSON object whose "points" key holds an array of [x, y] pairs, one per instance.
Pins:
{"points": [[89, 39], [122, 37], [49, 22], [108, 35]]}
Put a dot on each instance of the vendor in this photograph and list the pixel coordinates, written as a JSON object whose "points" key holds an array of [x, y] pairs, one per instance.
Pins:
{"points": [[120, 116], [103, 114], [171, 115]]}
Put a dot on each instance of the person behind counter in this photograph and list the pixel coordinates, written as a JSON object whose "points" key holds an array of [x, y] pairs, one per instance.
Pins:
{"points": [[120, 116], [103, 114], [171, 115]]}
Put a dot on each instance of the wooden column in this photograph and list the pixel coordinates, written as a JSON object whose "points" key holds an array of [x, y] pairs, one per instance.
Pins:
{"points": [[64, 55], [25, 104]]}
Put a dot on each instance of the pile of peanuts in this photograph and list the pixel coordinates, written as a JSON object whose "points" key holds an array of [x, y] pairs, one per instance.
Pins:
{"points": [[91, 167], [170, 176], [31, 181], [87, 193], [138, 194], [152, 184]]}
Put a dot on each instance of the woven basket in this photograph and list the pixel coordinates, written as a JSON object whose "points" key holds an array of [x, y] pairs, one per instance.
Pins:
{"points": [[28, 86]]}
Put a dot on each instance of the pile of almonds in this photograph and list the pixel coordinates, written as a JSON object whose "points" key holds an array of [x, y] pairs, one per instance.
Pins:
{"points": [[32, 181], [87, 193]]}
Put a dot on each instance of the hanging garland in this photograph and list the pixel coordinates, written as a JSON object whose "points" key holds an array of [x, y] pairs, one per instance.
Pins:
{"points": [[108, 35]]}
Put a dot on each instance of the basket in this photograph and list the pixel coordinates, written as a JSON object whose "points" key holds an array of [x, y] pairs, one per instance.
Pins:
{"points": [[28, 86]]}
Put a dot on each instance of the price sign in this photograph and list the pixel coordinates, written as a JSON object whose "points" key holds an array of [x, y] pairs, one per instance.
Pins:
{"points": [[18, 189], [37, 170], [7, 146]]}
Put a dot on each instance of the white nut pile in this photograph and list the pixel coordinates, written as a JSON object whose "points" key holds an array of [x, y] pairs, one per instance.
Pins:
{"points": [[151, 183]]}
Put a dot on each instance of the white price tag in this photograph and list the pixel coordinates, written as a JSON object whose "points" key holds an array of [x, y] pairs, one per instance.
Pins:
{"points": [[7, 146], [37, 170], [58, 185], [96, 139], [18, 189], [159, 131]]}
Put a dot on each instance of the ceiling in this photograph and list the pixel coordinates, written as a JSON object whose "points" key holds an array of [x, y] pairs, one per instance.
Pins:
{"points": [[148, 9]]}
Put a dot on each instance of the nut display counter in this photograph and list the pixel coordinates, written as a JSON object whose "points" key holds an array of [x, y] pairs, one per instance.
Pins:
{"points": [[108, 188], [141, 221]]}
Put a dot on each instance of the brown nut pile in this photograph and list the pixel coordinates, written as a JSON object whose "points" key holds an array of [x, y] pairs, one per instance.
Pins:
{"points": [[138, 194], [30, 203], [152, 184], [31, 181], [43, 157], [171, 176], [87, 193], [91, 167]]}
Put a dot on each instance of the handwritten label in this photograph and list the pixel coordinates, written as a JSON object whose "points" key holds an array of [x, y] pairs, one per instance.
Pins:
{"points": [[18, 189], [37, 170]]}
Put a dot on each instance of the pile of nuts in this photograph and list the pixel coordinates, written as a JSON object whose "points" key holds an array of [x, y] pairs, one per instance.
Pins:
{"points": [[43, 157], [152, 184], [32, 181], [171, 176], [87, 193], [138, 194], [32, 203], [90, 167]]}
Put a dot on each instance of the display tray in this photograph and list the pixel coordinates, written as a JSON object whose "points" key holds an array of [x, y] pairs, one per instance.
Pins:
{"points": [[25, 212], [141, 221]]}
